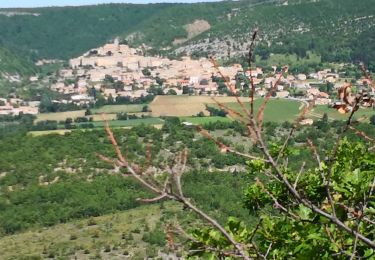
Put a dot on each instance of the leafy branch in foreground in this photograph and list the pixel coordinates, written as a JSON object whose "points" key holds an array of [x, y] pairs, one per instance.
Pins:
{"points": [[329, 207], [327, 211], [168, 188]]}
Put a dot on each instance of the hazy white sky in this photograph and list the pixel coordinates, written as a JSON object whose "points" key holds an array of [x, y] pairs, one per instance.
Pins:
{"points": [[39, 3]]}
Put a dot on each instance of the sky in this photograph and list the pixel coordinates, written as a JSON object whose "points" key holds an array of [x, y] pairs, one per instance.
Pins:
{"points": [[43, 3]]}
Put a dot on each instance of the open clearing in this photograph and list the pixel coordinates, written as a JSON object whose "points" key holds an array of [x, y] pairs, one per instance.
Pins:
{"points": [[205, 120], [333, 114], [81, 240], [131, 122], [109, 111], [156, 122], [112, 109], [60, 116], [277, 110], [47, 132], [185, 105]]}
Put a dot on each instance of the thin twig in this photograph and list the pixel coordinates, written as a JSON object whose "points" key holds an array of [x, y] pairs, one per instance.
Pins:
{"points": [[260, 115], [250, 57], [325, 182], [299, 175], [268, 250], [177, 197]]}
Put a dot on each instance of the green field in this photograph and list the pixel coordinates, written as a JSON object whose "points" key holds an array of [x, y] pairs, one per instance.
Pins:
{"points": [[47, 132], [204, 120], [110, 109], [157, 122], [129, 123], [334, 115], [277, 110]]}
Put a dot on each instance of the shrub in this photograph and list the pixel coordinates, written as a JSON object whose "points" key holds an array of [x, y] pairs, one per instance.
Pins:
{"points": [[107, 248], [91, 222]]}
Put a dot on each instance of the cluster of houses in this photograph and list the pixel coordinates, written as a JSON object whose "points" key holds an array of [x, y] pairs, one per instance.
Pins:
{"points": [[138, 73], [132, 74], [16, 106]]}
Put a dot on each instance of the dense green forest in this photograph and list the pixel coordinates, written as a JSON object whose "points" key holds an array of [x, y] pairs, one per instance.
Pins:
{"points": [[337, 30], [11, 62], [69, 31], [42, 176]]}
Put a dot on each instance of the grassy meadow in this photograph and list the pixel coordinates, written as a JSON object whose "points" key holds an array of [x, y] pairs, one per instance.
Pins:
{"points": [[109, 111], [277, 110], [333, 114], [204, 120], [113, 109], [129, 123], [113, 236]]}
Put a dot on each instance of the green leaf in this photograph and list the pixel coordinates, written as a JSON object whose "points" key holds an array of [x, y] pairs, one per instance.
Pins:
{"points": [[368, 252], [304, 212]]}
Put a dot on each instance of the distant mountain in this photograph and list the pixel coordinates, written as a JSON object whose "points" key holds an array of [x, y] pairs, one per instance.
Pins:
{"points": [[338, 30]]}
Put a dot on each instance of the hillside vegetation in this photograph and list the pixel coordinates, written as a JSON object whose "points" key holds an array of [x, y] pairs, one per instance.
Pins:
{"points": [[12, 63], [54, 188], [337, 30], [69, 31]]}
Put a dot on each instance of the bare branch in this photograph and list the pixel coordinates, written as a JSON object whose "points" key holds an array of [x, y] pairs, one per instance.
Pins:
{"points": [[250, 57], [305, 110], [308, 203], [299, 175], [226, 148], [268, 250], [158, 198], [276, 202], [325, 182], [179, 197], [362, 134], [260, 115], [231, 88]]}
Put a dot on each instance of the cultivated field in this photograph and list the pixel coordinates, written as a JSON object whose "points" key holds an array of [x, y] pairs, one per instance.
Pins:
{"points": [[277, 110], [112, 109], [131, 122], [204, 120], [47, 132], [184, 105], [60, 116], [109, 111], [319, 111]]}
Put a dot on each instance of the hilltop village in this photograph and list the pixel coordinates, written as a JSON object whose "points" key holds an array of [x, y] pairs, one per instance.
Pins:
{"points": [[136, 75], [115, 71]]}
